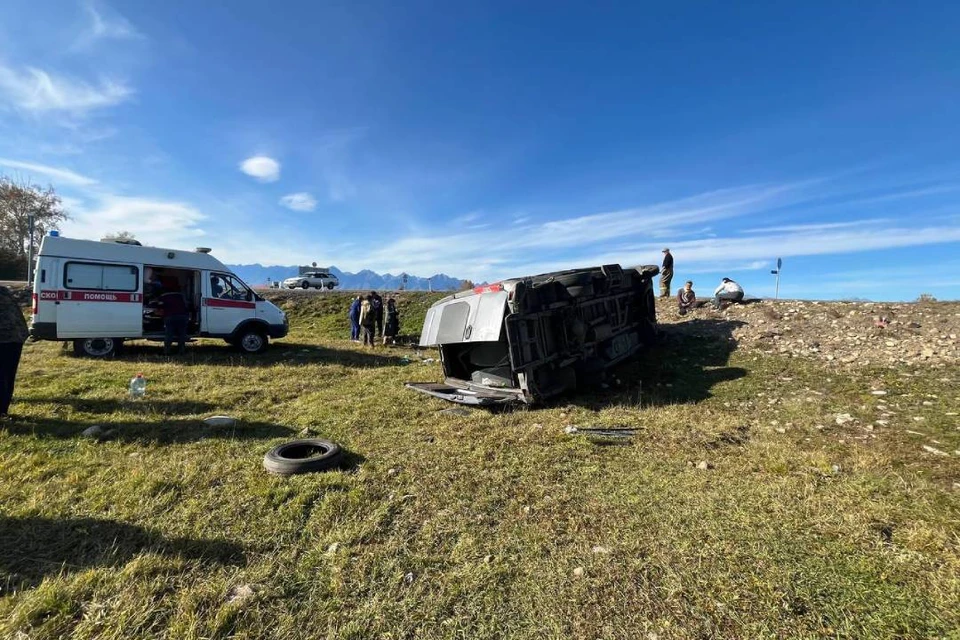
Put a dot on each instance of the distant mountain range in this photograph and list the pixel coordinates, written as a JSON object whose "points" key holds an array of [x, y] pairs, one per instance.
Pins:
{"points": [[258, 274]]}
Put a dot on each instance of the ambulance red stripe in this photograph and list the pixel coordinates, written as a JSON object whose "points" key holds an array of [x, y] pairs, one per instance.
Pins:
{"points": [[229, 304], [76, 295]]}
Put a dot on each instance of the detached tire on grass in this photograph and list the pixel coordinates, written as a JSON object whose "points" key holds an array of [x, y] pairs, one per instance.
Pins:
{"points": [[303, 456]]}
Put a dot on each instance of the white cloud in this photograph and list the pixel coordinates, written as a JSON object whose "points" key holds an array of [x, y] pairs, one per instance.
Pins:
{"points": [[262, 168], [816, 226], [299, 201], [154, 222], [34, 89], [115, 26], [56, 173]]}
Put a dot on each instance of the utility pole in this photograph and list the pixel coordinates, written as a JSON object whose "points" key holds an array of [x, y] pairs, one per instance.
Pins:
{"points": [[30, 226], [776, 272]]}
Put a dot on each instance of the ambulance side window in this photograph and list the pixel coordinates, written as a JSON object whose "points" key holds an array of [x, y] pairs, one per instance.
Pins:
{"points": [[101, 277]]}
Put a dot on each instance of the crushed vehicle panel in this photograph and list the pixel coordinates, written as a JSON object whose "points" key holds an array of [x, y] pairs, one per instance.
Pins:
{"points": [[526, 339]]}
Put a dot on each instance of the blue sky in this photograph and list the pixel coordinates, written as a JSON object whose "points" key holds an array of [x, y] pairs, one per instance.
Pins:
{"points": [[489, 140]]}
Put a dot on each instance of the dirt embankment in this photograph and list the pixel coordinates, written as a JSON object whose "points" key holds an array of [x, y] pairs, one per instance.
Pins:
{"points": [[842, 334]]}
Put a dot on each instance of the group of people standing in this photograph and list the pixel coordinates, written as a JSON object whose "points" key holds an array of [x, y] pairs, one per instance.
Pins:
{"points": [[728, 291], [367, 319]]}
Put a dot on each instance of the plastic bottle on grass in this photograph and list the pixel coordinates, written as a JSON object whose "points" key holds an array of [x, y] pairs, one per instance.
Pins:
{"points": [[138, 386]]}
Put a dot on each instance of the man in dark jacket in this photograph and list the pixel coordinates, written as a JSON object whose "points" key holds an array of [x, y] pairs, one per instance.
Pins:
{"points": [[666, 274], [175, 319], [13, 333], [354, 314], [376, 305]]}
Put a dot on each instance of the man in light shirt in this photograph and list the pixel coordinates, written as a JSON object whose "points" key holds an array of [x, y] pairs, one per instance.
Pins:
{"points": [[728, 290]]}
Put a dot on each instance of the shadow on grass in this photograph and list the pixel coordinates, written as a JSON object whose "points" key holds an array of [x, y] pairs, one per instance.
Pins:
{"points": [[107, 406], [689, 359], [287, 353], [33, 548], [158, 432]]}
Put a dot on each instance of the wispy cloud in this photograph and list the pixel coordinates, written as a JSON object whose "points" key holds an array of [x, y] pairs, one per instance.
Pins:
{"points": [[467, 218], [630, 236], [263, 168], [104, 24], [36, 90], [56, 173], [299, 201], [820, 226], [156, 222]]}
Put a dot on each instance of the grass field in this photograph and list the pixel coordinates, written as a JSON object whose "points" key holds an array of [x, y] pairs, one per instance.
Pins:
{"points": [[486, 525]]}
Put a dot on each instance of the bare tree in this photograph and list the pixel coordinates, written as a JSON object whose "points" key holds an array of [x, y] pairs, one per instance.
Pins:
{"points": [[19, 201], [120, 236], [466, 284]]}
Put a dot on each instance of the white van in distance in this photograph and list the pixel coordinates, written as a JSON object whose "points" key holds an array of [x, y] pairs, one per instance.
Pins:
{"points": [[99, 294]]}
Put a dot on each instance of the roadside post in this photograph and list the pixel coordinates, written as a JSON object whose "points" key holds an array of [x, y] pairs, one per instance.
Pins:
{"points": [[776, 272], [30, 227]]}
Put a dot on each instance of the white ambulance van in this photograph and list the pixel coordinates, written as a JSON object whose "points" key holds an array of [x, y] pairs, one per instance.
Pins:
{"points": [[99, 294]]}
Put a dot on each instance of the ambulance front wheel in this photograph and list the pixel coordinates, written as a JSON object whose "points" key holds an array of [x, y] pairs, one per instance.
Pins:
{"points": [[252, 341], [97, 347]]}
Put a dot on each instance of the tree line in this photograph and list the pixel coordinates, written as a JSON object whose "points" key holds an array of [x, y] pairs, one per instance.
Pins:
{"points": [[18, 201]]}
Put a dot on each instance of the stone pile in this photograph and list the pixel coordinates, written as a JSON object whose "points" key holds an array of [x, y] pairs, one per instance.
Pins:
{"points": [[841, 334]]}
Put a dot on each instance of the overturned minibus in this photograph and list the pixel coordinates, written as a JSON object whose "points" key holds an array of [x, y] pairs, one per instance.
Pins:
{"points": [[527, 339]]}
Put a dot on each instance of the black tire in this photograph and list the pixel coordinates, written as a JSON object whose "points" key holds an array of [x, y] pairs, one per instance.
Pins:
{"points": [[252, 340], [330, 286], [302, 456], [304, 285], [97, 347]]}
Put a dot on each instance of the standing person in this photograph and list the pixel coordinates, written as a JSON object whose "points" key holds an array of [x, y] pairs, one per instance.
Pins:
{"points": [[377, 303], [366, 321], [175, 319], [686, 298], [13, 333], [728, 290], [392, 327], [354, 315], [666, 273]]}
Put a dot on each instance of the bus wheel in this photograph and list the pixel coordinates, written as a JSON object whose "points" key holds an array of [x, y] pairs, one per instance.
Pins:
{"points": [[96, 347]]}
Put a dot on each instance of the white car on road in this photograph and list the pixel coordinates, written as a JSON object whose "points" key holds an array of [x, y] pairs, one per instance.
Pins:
{"points": [[315, 279]]}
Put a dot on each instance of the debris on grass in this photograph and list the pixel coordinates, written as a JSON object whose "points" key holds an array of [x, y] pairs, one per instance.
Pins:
{"points": [[934, 450], [241, 593], [96, 432], [220, 421]]}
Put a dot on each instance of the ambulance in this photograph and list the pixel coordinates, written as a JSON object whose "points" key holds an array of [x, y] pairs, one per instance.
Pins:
{"points": [[100, 294]]}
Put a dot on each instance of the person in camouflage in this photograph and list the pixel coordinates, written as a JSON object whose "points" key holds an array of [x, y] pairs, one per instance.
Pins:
{"points": [[13, 333], [666, 274]]}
